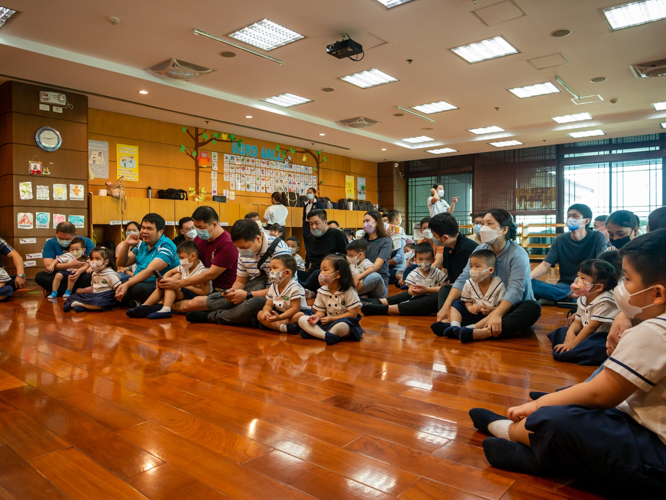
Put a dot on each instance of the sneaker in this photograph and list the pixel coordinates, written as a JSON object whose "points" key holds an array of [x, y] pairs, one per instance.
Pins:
{"points": [[67, 294]]}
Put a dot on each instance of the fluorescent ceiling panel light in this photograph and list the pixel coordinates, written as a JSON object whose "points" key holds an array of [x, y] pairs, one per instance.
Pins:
{"points": [[484, 50], [504, 144], [389, 4], [442, 151], [485, 130], [663, 125], [417, 140], [535, 90], [5, 14], [286, 100], [369, 78], [434, 107], [266, 35], [586, 133], [659, 106], [578, 117], [635, 13]]}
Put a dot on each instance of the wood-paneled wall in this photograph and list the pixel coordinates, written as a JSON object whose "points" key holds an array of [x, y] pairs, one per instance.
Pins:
{"points": [[162, 165], [392, 187]]}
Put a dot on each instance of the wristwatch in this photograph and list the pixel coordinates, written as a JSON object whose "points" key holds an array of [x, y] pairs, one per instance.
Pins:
{"points": [[20, 275], [249, 296]]}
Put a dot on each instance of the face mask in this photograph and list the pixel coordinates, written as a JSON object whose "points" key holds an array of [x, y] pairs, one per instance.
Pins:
{"points": [[326, 279], [440, 193], [622, 297], [185, 263], [276, 277], [293, 250], [316, 232], [259, 224], [477, 228], [620, 242], [96, 265], [580, 289], [63, 243], [352, 260], [369, 227], [203, 234], [488, 234], [191, 234], [427, 234], [478, 276], [574, 224], [425, 265], [409, 255], [132, 232], [310, 196], [77, 253]]}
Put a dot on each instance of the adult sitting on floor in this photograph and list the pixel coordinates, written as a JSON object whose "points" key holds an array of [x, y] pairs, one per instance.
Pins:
{"points": [[65, 233], [570, 250], [151, 251], [518, 310], [9, 284], [217, 253], [379, 252], [324, 241], [186, 231], [242, 302]]}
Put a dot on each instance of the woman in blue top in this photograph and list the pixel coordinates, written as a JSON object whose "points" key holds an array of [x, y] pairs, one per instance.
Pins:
{"points": [[379, 253], [518, 310]]}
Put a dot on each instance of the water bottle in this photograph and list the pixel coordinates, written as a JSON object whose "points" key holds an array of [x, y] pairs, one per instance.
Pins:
{"points": [[150, 192]]}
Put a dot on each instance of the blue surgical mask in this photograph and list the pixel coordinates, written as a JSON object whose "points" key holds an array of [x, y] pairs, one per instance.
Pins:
{"points": [[203, 234], [310, 196], [63, 243], [317, 232], [477, 228], [246, 252], [574, 224]]}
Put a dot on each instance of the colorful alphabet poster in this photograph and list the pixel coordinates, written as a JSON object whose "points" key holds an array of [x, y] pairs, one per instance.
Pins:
{"points": [[128, 162], [43, 219], [98, 159], [25, 220]]}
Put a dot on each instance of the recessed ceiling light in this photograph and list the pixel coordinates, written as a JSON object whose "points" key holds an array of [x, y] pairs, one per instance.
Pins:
{"points": [[504, 144], [399, 114], [485, 130], [598, 79], [286, 100], [578, 117], [535, 90], [586, 133], [248, 116], [322, 134], [5, 15], [484, 50], [418, 140], [442, 151], [434, 107], [635, 13], [266, 35], [369, 78], [228, 54], [143, 92], [659, 106], [383, 149], [560, 33], [389, 4]]}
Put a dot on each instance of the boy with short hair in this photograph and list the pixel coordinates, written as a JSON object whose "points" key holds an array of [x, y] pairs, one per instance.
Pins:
{"points": [[276, 230], [76, 251], [190, 265], [481, 295], [372, 284], [609, 430], [294, 244]]}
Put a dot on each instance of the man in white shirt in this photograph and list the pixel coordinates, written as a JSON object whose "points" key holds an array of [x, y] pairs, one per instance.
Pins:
{"points": [[436, 202]]}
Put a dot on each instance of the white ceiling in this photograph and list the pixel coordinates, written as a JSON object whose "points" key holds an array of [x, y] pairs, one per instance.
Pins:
{"points": [[71, 43]]}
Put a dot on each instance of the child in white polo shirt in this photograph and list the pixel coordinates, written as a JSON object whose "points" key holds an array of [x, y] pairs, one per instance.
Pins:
{"points": [[101, 295], [611, 430]]}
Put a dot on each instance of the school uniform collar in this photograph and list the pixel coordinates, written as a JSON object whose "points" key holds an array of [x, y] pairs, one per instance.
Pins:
{"points": [[605, 295]]}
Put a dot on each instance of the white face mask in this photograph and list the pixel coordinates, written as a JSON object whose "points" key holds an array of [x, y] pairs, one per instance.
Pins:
{"points": [[191, 234], [427, 234], [259, 224], [488, 234], [478, 276], [425, 265], [96, 265], [77, 253], [352, 260], [293, 250], [185, 263], [409, 255], [440, 193], [622, 297]]}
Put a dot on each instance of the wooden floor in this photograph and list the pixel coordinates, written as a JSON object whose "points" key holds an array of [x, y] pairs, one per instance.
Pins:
{"points": [[96, 406]]}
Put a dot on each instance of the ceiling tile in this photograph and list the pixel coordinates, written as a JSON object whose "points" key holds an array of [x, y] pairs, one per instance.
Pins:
{"points": [[499, 13], [548, 61]]}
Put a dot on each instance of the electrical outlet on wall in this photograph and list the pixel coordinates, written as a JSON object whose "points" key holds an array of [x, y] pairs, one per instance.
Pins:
{"points": [[53, 98]]}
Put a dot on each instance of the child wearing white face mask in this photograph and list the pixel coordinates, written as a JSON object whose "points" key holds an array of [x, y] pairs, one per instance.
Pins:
{"points": [[101, 295], [481, 294], [285, 300], [158, 305], [294, 245], [367, 281], [76, 250]]}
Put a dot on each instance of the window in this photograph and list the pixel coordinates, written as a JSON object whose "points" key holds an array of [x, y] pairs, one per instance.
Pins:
{"points": [[588, 184], [418, 191]]}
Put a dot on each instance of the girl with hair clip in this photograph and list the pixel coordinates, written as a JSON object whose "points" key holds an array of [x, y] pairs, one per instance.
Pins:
{"points": [[336, 307], [101, 295]]}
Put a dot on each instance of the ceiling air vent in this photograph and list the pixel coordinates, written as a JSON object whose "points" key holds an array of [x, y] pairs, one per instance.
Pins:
{"points": [[649, 69], [358, 122], [179, 70]]}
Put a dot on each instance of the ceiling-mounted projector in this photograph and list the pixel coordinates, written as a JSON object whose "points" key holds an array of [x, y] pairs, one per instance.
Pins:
{"points": [[346, 48]]}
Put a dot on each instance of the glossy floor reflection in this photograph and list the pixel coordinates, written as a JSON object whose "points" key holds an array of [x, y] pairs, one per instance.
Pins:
{"points": [[97, 406]]}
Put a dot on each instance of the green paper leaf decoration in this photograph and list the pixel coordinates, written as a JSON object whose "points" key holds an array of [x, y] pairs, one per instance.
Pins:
{"points": [[214, 141], [217, 135], [194, 154], [314, 169], [291, 150], [321, 182], [232, 137], [184, 130], [324, 159], [277, 146], [205, 136], [318, 153], [182, 148]]}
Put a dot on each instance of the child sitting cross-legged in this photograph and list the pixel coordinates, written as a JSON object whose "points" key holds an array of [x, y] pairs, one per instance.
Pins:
{"points": [[424, 283], [584, 342], [481, 295], [76, 251], [158, 305], [101, 295], [609, 431], [285, 300], [336, 307], [367, 281]]}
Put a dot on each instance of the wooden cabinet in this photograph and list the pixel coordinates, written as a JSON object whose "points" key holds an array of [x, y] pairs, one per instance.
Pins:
{"points": [[185, 208], [166, 208], [136, 209], [105, 209], [228, 213]]}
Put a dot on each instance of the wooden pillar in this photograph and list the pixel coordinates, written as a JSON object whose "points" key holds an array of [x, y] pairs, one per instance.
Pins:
{"points": [[392, 187], [21, 116]]}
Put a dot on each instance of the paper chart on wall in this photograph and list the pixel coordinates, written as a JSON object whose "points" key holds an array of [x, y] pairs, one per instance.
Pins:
{"points": [[42, 192], [42, 220], [60, 192], [25, 220], [57, 219], [76, 191], [25, 190], [77, 220], [232, 195]]}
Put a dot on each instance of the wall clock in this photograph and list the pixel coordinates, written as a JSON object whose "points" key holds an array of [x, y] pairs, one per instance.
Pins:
{"points": [[48, 139]]}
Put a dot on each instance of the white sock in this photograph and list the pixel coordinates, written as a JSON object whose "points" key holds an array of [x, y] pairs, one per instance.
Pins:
{"points": [[500, 429], [341, 330], [164, 309], [76, 303], [283, 327], [455, 323], [472, 327]]}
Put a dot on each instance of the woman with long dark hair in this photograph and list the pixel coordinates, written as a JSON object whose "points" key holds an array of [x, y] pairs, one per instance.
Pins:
{"points": [[379, 252]]}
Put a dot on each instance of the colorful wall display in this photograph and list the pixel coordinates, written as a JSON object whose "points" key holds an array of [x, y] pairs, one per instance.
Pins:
{"points": [[360, 187], [98, 159], [349, 186], [128, 162], [256, 175]]}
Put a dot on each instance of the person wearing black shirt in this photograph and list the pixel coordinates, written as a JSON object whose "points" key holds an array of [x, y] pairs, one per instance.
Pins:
{"points": [[186, 231], [324, 241]]}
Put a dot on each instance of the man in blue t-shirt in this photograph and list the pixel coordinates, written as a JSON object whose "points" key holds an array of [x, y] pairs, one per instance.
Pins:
{"points": [[569, 250], [64, 234], [151, 251]]}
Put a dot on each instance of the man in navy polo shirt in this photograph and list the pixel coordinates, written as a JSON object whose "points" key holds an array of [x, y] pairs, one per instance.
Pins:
{"points": [[151, 251], [65, 233]]}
